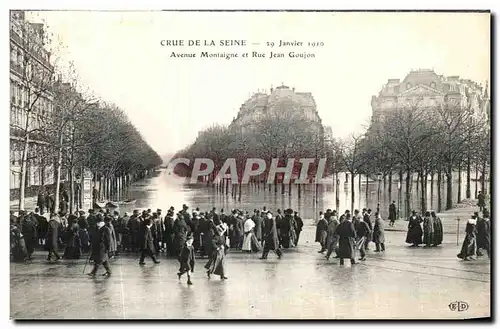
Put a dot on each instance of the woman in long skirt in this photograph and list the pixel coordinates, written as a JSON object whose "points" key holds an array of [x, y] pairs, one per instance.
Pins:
{"points": [[469, 245], [186, 259], [17, 244], [216, 263], [414, 235], [73, 242], [428, 230]]}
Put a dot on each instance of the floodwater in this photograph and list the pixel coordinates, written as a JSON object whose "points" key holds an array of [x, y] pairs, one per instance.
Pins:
{"points": [[162, 191]]}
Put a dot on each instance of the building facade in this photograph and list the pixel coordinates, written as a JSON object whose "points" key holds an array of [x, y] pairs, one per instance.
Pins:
{"points": [[280, 101], [31, 102], [430, 90]]}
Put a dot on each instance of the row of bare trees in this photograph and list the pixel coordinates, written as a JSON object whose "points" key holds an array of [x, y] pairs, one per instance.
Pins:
{"points": [[77, 131], [424, 141]]}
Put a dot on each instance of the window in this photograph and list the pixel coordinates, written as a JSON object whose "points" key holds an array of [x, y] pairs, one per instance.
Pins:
{"points": [[13, 54]]}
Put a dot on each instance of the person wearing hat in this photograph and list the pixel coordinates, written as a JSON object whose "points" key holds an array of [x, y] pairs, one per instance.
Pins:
{"points": [[181, 229], [428, 224], [483, 236], [168, 233], [298, 227], [321, 232], [147, 242], [270, 236], [186, 259], [101, 242], [438, 230], [134, 226], [414, 235], [52, 239], [346, 233], [469, 246], [215, 264]]}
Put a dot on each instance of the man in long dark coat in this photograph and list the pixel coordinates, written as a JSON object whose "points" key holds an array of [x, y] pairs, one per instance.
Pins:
{"points": [[368, 221], [270, 236], [147, 242], [42, 226], [481, 201], [204, 237], [40, 202], [52, 239], [169, 233], [332, 237], [347, 236], [101, 242], [181, 230], [299, 226], [392, 213], [321, 232], [483, 235], [29, 230], [134, 227]]}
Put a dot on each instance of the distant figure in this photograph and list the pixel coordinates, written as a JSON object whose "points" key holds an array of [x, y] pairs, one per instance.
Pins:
{"points": [[469, 245], [347, 237], [414, 235], [438, 230], [187, 259], [481, 202], [378, 233], [392, 213]]}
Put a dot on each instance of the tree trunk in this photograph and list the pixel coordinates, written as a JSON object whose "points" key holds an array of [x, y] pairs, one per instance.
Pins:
{"points": [[71, 189], [449, 185], [400, 185], [407, 192], [423, 205], [366, 191], [58, 174], [352, 193], [298, 191], [22, 174], [439, 183], [467, 188], [475, 182], [432, 189], [337, 197], [239, 192], [483, 178], [282, 188], [459, 192], [390, 186], [290, 188]]}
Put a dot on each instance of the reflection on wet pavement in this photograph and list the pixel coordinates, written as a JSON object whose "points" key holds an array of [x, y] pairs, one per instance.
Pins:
{"points": [[402, 283]]}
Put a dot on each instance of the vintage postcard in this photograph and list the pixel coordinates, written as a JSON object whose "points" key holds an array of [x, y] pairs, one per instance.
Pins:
{"points": [[250, 165]]}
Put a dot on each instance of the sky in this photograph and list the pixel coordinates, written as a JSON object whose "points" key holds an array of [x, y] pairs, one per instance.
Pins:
{"points": [[119, 57]]}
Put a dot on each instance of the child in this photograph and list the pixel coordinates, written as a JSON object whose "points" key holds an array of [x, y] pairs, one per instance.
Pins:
{"points": [[186, 259]]}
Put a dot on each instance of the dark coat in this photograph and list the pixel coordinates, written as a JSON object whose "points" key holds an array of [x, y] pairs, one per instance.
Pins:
{"points": [[483, 236], [331, 236], [259, 223], [147, 238], [469, 245], [392, 212], [321, 229], [414, 235], [100, 245], [181, 230], [53, 232], [186, 259], [428, 237], [378, 231], [347, 236], [438, 231], [270, 234]]}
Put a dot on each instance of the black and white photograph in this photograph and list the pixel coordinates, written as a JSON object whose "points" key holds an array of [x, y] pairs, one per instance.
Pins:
{"points": [[250, 165]]}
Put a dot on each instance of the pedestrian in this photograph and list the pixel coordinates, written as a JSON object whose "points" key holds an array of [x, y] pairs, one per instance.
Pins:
{"points": [[483, 236], [299, 226], [368, 221], [332, 238], [181, 229], [481, 201], [428, 230], [169, 233], [378, 233], [187, 259], [321, 232], [362, 234], [270, 236], [248, 227], [147, 245], [347, 237], [29, 230], [392, 213], [52, 239], [101, 242], [42, 226], [258, 220], [414, 235], [40, 202], [17, 244], [438, 230], [469, 245], [113, 245], [73, 248], [216, 263]]}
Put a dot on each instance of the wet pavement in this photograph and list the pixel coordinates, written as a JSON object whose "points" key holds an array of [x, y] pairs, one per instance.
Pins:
{"points": [[402, 283]]}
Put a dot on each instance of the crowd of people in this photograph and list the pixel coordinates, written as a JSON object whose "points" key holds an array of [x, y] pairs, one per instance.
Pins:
{"points": [[104, 234]]}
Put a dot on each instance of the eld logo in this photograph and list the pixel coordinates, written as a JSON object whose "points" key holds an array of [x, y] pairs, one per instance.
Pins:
{"points": [[458, 306]]}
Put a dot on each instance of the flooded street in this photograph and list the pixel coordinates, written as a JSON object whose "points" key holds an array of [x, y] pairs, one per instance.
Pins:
{"points": [[401, 283], [163, 191]]}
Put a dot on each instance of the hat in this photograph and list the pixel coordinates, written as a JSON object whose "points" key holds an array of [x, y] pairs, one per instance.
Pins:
{"points": [[126, 213], [158, 210], [189, 236], [288, 211], [81, 212]]}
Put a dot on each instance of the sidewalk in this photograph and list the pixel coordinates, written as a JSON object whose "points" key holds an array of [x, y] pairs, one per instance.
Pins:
{"points": [[448, 218]]}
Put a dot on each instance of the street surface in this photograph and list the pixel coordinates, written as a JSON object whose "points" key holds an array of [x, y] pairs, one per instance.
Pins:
{"points": [[402, 283]]}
